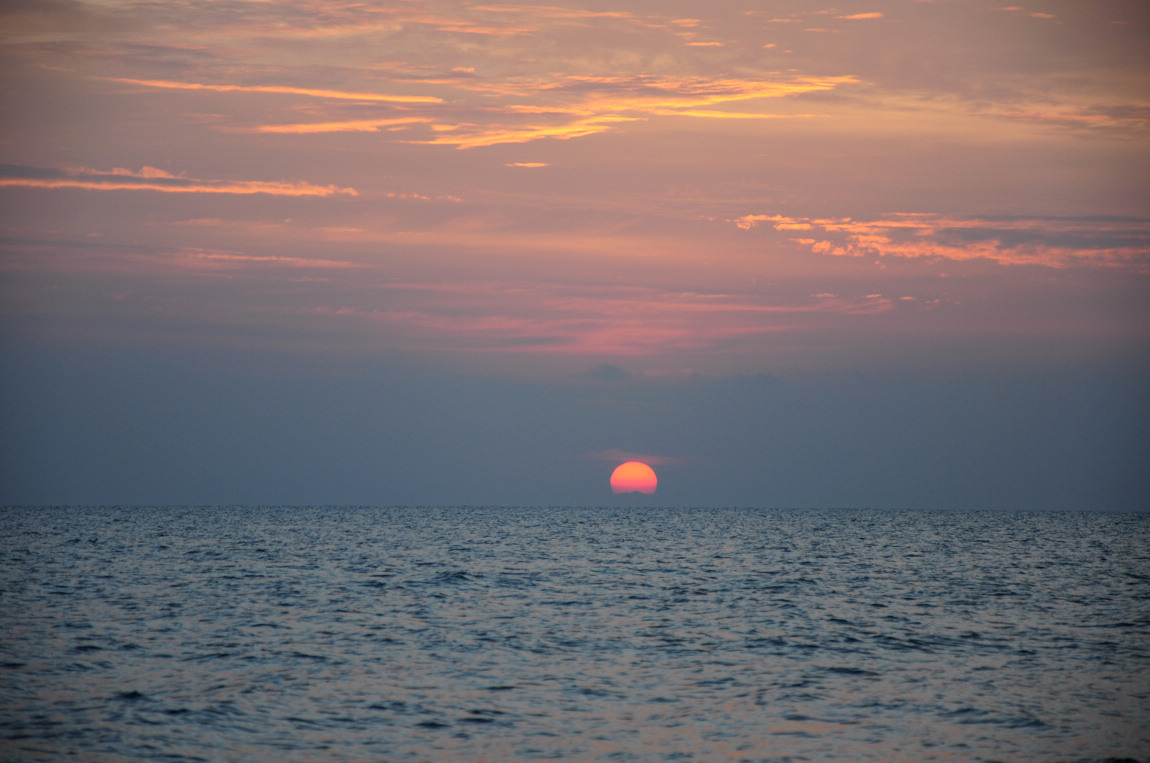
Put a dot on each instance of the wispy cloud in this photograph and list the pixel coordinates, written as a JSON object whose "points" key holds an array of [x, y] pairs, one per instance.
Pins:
{"points": [[578, 106], [231, 258], [279, 89], [474, 136], [562, 108], [152, 179], [1049, 241], [553, 12], [584, 95], [423, 197], [353, 125], [1131, 119], [593, 321]]}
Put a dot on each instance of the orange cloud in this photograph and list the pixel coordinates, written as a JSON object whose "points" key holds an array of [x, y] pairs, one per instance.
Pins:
{"points": [[577, 106], [644, 93], [355, 125], [584, 105], [152, 179], [1050, 242], [474, 136], [574, 106]]}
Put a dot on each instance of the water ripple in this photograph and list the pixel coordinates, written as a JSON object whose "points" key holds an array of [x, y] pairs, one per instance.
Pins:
{"points": [[366, 634]]}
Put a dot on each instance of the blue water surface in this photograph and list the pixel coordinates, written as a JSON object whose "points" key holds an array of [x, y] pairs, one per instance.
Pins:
{"points": [[491, 634]]}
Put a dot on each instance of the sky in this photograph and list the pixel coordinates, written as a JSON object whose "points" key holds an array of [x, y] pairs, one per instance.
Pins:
{"points": [[892, 253]]}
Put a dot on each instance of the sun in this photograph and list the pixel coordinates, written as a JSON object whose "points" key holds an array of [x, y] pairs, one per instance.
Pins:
{"points": [[634, 477]]}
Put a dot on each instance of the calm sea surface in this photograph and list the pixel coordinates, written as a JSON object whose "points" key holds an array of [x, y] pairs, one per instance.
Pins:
{"points": [[443, 634]]}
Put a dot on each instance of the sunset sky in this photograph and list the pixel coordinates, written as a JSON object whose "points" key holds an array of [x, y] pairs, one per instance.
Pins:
{"points": [[884, 253]]}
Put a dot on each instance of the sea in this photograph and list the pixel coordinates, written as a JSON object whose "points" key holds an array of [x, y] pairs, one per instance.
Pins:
{"points": [[230, 633]]}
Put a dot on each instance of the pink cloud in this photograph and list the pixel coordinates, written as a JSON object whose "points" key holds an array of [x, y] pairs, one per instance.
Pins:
{"points": [[591, 321]]}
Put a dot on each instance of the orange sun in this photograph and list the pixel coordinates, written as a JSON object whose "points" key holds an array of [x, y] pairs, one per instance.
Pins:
{"points": [[634, 477]]}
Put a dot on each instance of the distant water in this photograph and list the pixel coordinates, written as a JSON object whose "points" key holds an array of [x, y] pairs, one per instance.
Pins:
{"points": [[484, 634]]}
